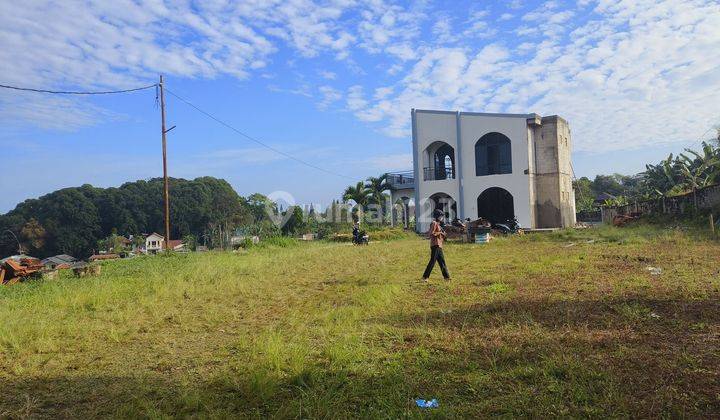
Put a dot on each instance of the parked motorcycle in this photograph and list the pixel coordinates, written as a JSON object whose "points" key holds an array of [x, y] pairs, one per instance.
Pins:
{"points": [[507, 227]]}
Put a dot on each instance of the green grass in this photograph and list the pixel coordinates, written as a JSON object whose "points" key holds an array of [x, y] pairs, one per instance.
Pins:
{"points": [[528, 327]]}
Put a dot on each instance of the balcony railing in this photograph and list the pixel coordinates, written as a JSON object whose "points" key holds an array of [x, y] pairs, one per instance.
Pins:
{"points": [[434, 174], [399, 180]]}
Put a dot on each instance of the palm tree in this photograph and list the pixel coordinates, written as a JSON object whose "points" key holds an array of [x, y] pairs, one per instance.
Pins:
{"points": [[357, 193], [360, 195], [376, 187]]}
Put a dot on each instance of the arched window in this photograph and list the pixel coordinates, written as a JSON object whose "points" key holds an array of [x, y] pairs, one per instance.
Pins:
{"points": [[439, 161], [493, 155]]}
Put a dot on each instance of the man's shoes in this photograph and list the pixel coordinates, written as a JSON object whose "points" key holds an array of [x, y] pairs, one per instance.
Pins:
{"points": [[447, 278], [425, 280]]}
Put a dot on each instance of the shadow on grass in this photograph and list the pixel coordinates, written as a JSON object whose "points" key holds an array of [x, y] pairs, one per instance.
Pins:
{"points": [[592, 314], [634, 356], [313, 393]]}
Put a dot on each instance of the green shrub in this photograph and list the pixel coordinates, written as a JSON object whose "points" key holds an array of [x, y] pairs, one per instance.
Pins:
{"points": [[277, 241]]}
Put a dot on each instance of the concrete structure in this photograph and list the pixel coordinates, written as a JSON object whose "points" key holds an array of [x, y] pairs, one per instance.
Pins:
{"points": [[402, 196], [496, 166]]}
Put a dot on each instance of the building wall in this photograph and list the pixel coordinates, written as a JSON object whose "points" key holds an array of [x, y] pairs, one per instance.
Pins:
{"points": [[429, 127], [554, 197], [472, 127], [541, 178]]}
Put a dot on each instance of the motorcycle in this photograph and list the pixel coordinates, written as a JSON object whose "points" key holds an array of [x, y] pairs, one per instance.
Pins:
{"points": [[360, 237], [507, 227]]}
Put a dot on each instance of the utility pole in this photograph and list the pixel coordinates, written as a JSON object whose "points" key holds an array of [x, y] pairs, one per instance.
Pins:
{"points": [[166, 192]]}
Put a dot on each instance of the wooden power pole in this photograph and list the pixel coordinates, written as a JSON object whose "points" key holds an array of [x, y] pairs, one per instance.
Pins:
{"points": [[166, 191]]}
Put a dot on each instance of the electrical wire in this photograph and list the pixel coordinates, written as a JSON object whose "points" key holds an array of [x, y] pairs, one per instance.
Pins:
{"points": [[68, 92], [207, 114], [280, 152]]}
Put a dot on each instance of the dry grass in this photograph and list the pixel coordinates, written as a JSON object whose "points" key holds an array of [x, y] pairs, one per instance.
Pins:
{"points": [[527, 327]]}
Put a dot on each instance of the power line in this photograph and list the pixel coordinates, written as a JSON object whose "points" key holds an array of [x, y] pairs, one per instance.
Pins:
{"points": [[69, 92], [280, 152]]}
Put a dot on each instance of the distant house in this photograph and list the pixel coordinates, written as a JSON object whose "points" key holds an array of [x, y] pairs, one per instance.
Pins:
{"points": [[58, 262], [154, 243], [601, 198]]}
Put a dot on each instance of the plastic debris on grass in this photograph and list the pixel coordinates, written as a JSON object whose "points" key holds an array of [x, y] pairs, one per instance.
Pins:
{"points": [[427, 403], [655, 271]]}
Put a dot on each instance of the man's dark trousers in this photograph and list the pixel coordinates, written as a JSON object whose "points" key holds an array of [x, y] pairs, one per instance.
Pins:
{"points": [[436, 254]]}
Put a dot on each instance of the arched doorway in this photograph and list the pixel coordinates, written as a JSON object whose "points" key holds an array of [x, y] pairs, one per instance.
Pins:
{"points": [[496, 205], [445, 203], [439, 162], [493, 155]]}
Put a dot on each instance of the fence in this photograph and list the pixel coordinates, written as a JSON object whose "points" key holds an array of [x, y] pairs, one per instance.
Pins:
{"points": [[703, 198]]}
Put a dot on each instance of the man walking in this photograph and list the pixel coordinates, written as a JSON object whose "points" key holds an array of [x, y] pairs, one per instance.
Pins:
{"points": [[437, 237]]}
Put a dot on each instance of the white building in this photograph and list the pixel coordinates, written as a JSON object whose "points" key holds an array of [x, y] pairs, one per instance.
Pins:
{"points": [[154, 243], [496, 166]]}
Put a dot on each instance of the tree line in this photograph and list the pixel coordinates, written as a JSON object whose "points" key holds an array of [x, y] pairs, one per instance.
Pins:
{"points": [[74, 220], [675, 175]]}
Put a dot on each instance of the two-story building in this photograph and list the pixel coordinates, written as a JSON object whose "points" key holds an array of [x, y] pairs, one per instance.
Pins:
{"points": [[154, 243], [495, 166]]}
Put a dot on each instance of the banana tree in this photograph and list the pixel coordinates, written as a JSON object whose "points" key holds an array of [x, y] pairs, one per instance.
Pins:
{"points": [[700, 171]]}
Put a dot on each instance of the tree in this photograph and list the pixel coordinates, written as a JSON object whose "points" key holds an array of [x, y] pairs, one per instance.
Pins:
{"points": [[75, 219], [609, 184], [357, 193], [659, 180], [584, 197], [700, 171], [33, 234], [260, 205], [360, 195], [296, 222], [376, 187]]}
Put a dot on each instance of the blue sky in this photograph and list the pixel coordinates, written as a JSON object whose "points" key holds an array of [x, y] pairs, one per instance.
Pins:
{"points": [[333, 82]]}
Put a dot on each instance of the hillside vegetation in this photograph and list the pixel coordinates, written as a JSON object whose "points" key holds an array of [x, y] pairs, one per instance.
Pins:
{"points": [[73, 220], [529, 326]]}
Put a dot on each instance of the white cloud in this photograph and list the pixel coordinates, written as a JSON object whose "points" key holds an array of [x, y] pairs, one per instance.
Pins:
{"points": [[328, 75], [633, 75], [626, 74], [330, 95], [355, 98]]}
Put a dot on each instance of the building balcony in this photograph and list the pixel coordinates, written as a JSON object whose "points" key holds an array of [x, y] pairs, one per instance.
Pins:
{"points": [[401, 180], [438, 173]]}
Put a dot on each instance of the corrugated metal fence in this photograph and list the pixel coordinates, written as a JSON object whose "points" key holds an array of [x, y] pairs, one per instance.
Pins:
{"points": [[704, 198]]}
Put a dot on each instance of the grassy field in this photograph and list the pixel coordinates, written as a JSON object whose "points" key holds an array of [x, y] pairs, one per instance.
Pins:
{"points": [[568, 324]]}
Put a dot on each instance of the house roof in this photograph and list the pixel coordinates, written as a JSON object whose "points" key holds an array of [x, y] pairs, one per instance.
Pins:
{"points": [[174, 243], [156, 234], [604, 196], [60, 259]]}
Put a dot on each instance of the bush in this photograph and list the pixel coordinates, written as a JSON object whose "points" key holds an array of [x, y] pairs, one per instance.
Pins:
{"points": [[277, 241]]}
